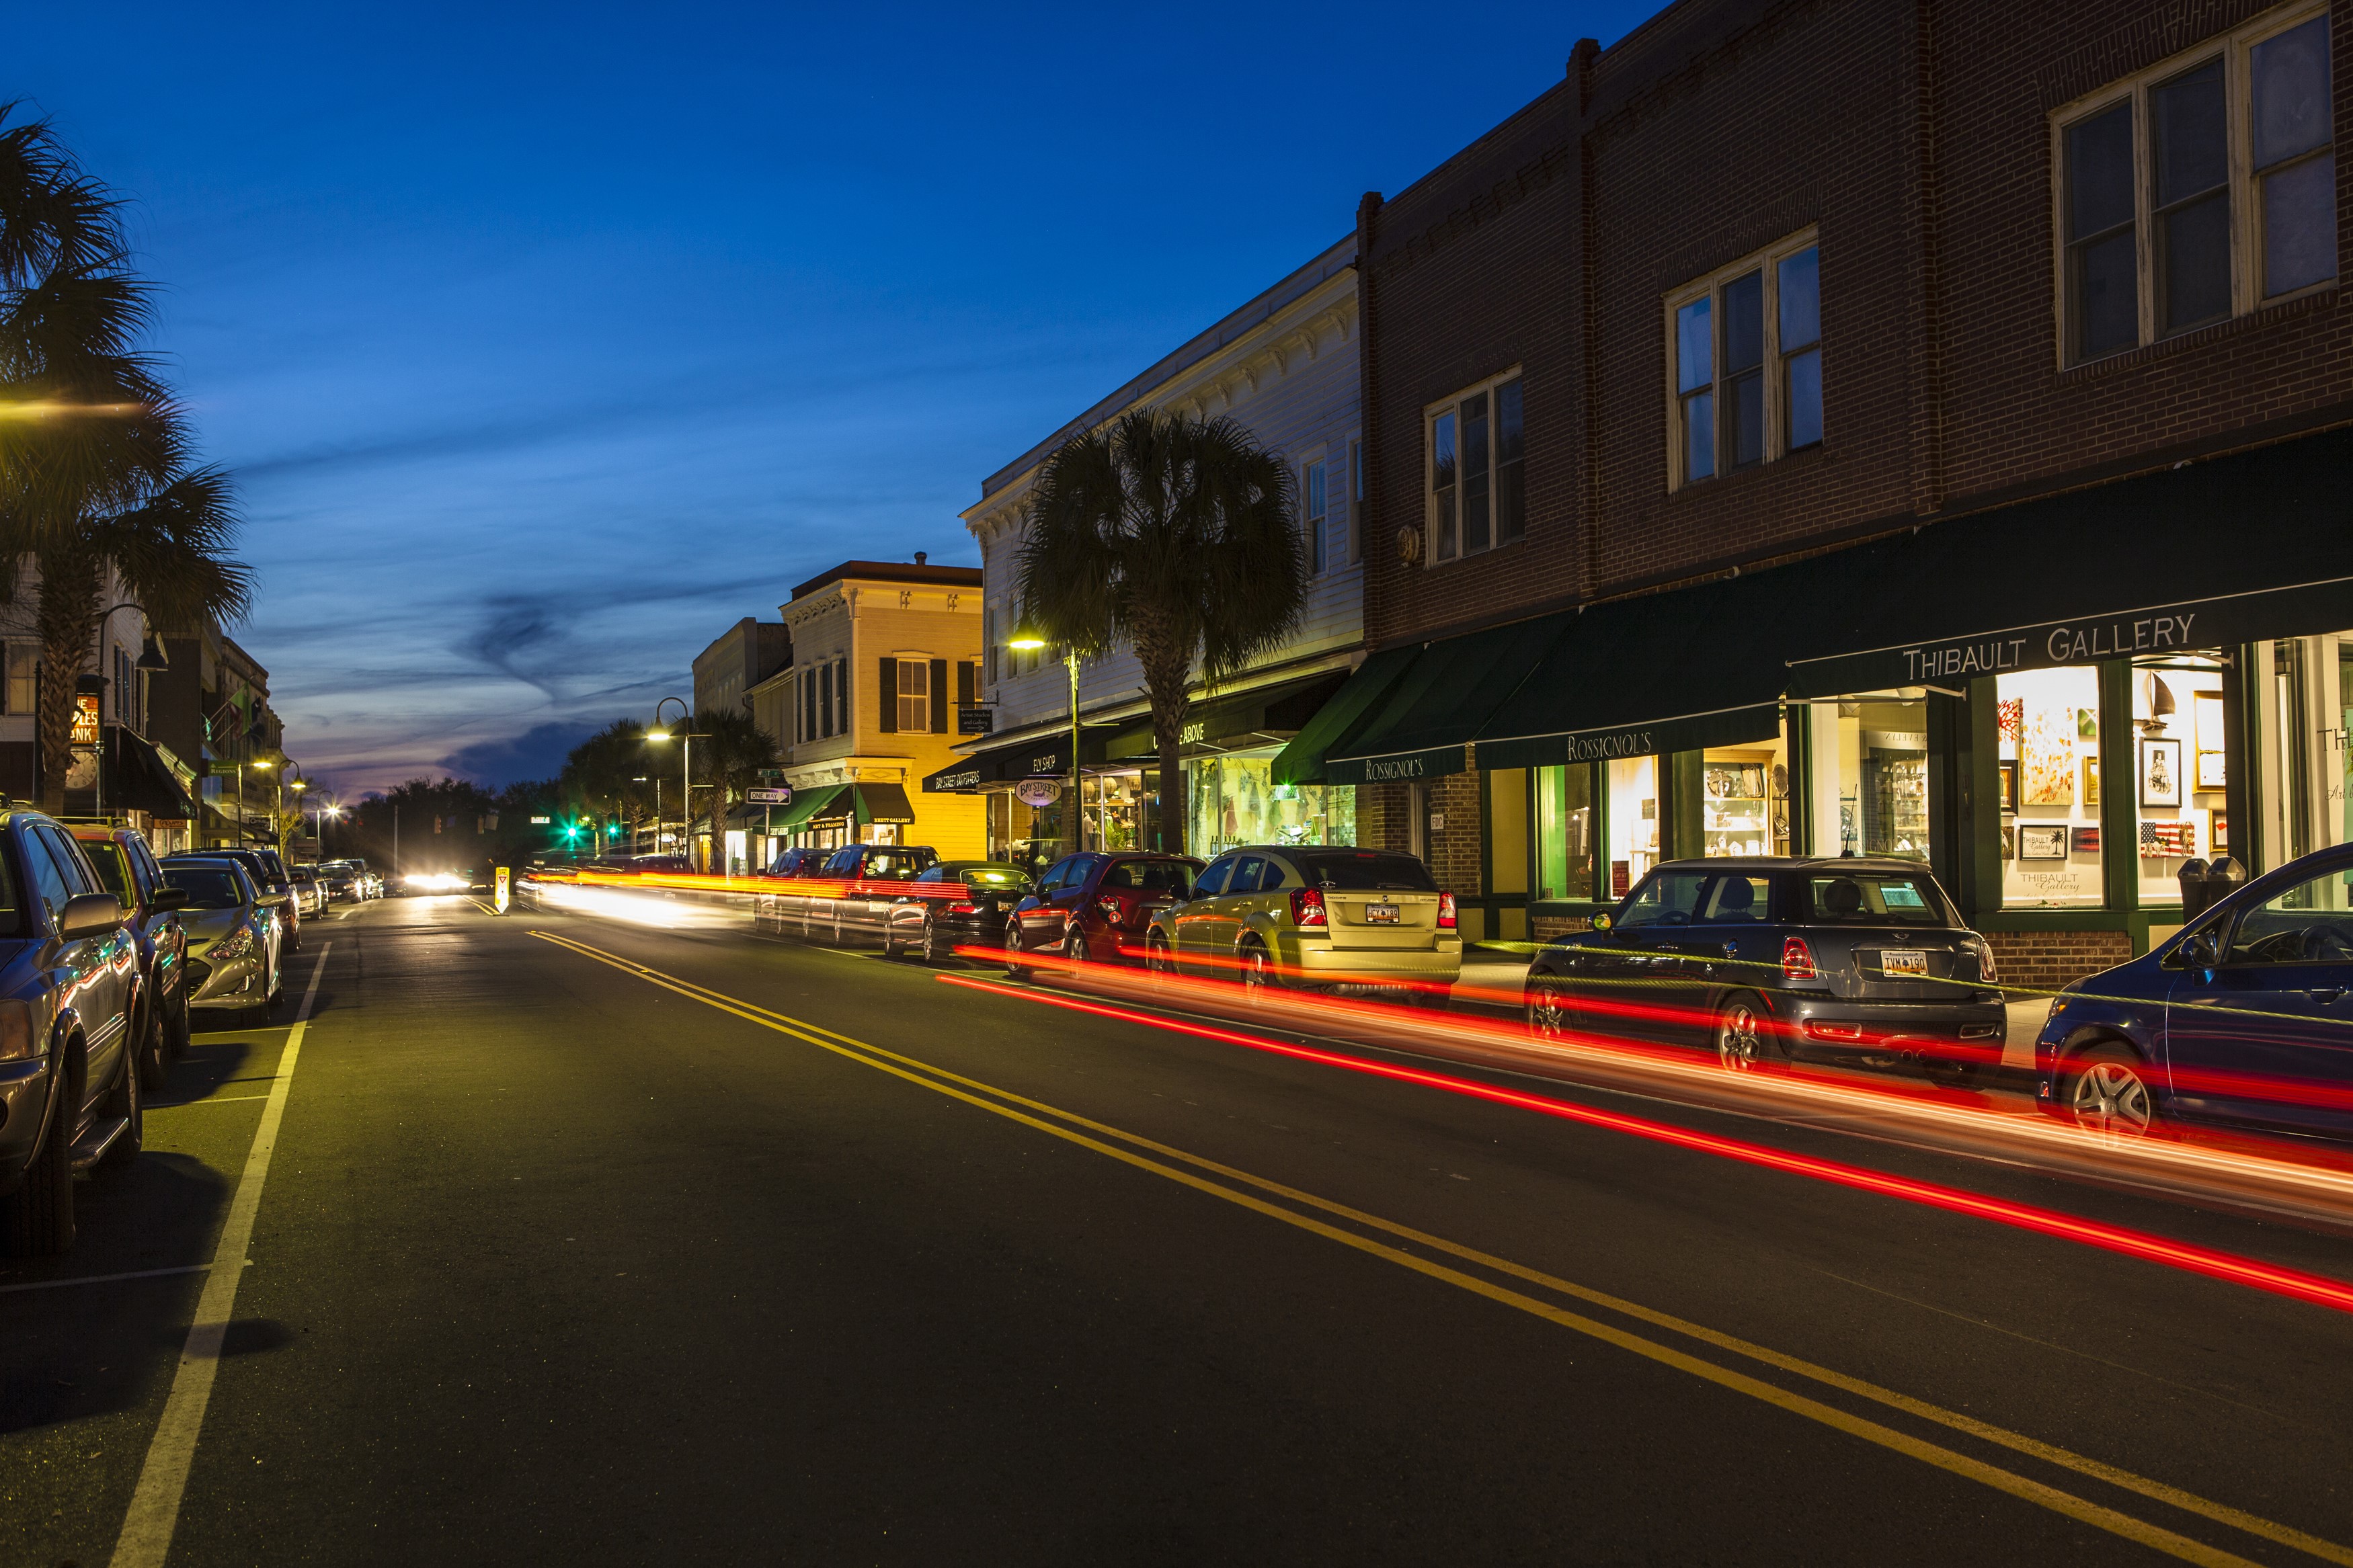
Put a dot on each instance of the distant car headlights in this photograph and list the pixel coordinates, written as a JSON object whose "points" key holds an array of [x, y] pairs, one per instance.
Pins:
{"points": [[15, 1030]]}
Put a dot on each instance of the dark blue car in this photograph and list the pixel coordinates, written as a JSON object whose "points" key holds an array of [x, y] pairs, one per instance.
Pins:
{"points": [[2245, 1016]]}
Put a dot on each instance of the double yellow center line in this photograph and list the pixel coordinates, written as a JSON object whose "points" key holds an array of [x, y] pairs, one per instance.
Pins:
{"points": [[1307, 1211]]}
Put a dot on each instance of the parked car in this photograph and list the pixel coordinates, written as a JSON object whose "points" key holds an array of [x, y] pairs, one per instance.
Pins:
{"points": [[1293, 915], [2245, 1017], [309, 890], [1097, 905], [1860, 960], [848, 898], [235, 944], [126, 866], [341, 879], [956, 903], [268, 873], [69, 1093]]}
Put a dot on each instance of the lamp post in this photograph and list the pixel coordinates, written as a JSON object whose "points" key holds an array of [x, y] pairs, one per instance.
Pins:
{"points": [[655, 780], [684, 735], [1027, 636], [151, 657]]}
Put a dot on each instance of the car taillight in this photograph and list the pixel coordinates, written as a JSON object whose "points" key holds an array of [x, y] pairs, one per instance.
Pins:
{"points": [[963, 909], [1307, 908], [1797, 959], [1985, 971], [1446, 911], [1112, 910]]}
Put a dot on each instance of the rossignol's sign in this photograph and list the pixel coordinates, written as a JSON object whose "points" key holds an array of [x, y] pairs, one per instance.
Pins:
{"points": [[1398, 767], [1386, 770], [1603, 747]]}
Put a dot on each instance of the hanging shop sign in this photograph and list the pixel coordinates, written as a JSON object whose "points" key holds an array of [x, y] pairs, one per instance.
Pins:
{"points": [[85, 720], [1038, 792], [973, 720]]}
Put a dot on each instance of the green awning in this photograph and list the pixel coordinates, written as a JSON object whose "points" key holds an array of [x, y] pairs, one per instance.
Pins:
{"points": [[1419, 727], [1232, 721], [1301, 761], [883, 803], [807, 804]]}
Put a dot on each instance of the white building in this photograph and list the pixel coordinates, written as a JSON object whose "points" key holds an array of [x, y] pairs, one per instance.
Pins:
{"points": [[1285, 364]]}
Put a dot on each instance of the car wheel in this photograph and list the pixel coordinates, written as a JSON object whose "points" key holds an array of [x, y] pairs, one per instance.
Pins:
{"points": [[1159, 959], [154, 1047], [1257, 973], [1013, 968], [1074, 943], [1741, 1039], [1548, 1015], [39, 1213], [2107, 1091], [127, 1103], [934, 950], [889, 940], [180, 1027]]}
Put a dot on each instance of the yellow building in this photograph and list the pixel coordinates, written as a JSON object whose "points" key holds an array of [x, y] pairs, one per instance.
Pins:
{"points": [[884, 655]]}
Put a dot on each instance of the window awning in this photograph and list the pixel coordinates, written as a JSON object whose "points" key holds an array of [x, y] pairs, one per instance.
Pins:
{"points": [[1233, 720], [963, 777], [883, 803], [2238, 549], [1419, 726], [137, 778], [1667, 672], [806, 804], [1041, 756], [1302, 761]]}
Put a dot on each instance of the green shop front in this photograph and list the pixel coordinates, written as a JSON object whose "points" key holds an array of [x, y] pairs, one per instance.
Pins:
{"points": [[2057, 706]]}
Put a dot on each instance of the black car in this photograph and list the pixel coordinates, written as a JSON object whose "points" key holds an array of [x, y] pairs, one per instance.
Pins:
{"points": [[1861, 961], [954, 903], [1096, 906], [799, 862], [2243, 1018]]}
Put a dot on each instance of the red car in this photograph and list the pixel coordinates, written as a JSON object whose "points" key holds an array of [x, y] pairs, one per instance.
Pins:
{"points": [[1094, 907]]}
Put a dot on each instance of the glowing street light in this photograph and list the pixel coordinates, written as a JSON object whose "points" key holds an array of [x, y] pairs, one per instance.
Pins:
{"points": [[1027, 636]]}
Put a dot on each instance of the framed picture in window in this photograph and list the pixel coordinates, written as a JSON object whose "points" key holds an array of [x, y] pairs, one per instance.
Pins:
{"points": [[2091, 781], [2006, 771], [2213, 770], [2042, 841], [2009, 841], [2213, 763], [2160, 773]]}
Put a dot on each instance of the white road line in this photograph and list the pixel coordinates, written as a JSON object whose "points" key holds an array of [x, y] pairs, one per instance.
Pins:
{"points": [[209, 1099], [146, 1537], [106, 1279]]}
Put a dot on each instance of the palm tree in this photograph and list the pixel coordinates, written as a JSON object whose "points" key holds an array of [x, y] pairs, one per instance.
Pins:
{"points": [[1177, 537], [169, 553], [733, 751]]}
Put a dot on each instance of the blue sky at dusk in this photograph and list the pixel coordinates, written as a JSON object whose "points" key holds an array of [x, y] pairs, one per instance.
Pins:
{"points": [[549, 340]]}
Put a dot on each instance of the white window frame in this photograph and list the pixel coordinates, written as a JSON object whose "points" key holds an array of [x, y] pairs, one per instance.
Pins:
{"points": [[921, 663], [1430, 414], [1356, 499], [2235, 47], [1776, 373], [1316, 524]]}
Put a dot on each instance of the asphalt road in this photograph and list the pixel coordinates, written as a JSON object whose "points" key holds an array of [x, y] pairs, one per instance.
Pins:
{"points": [[579, 1241]]}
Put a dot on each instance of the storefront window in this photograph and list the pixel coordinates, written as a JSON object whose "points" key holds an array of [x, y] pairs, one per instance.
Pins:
{"points": [[2048, 756], [1869, 761], [1565, 832], [1744, 800], [1633, 821], [2301, 796], [2181, 767], [1115, 810], [1234, 800]]}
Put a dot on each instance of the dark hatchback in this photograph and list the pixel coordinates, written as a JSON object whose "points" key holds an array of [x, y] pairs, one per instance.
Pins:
{"points": [[954, 903], [1856, 961], [1095, 906], [2245, 1017]]}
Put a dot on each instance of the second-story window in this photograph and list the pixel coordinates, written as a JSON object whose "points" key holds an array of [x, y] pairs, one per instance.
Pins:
{"points": [[1477, 449], [2201, 189], [914, 696], [1312, 497], [1356, 501], [1747, 343]]}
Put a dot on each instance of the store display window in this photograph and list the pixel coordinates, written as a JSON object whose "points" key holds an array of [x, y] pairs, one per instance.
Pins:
{"points": [[1234, 800], [1744, 800], [1634, 822], [2302, 799], [1565, 832], [1869, 771], [2181, 768], [2047, 763]]}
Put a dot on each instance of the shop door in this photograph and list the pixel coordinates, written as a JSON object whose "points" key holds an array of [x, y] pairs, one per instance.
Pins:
{"points": [[2267, 1034]]}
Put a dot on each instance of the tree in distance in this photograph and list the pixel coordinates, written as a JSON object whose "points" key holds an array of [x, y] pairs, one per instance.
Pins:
{"points": [[1177, 537]]}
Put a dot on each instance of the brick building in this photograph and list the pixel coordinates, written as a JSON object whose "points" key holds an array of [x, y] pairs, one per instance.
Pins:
{"points": [[1811, 428]]}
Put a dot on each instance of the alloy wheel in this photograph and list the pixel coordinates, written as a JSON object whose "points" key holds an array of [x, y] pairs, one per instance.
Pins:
{"points": [[1258, 973], [1548, 1012], [1074, 944], [2110, 1096], [1739, 1039]]}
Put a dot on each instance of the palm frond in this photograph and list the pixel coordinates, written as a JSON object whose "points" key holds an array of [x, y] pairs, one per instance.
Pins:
{"points": [[51, 214], [172, 551]]}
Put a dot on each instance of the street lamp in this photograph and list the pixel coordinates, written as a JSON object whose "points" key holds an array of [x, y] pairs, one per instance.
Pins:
{"points": [[683, 734], [151, 657], [654, 780], [1027, 636]]}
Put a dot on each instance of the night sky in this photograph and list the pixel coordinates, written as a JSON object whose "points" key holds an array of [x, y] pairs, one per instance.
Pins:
{"points": [[550, 341]]}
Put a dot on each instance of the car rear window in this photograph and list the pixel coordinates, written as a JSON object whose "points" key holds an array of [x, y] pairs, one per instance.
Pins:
{"points": [[1367, 870], [1872, 898], [106, 859], [990, 877], [1150, 876]]}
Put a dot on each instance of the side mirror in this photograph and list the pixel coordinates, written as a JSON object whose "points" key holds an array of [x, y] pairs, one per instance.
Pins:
{"points": [[1602, 921], [163, 898], [87, 915]]}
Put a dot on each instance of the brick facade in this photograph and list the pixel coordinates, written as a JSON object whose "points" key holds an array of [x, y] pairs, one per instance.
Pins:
{"points": [[2047, 960]]}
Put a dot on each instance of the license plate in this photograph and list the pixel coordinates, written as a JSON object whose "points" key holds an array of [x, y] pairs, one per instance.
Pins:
{"points": [[1380, 914], [1900, 961]]}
